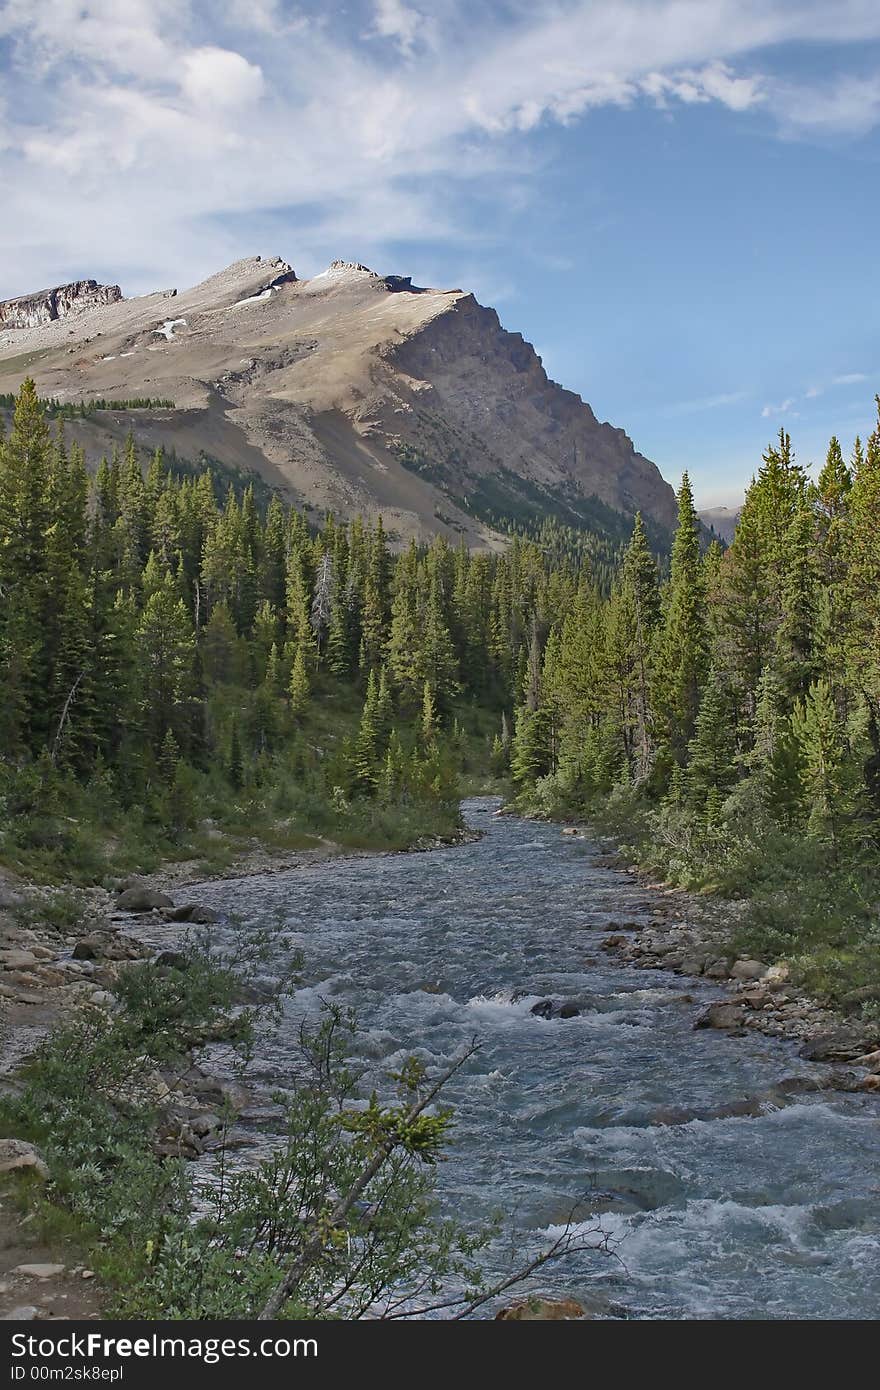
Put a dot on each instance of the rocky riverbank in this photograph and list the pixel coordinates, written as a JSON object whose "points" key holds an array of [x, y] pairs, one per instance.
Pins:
{"points": [[691, 936]]}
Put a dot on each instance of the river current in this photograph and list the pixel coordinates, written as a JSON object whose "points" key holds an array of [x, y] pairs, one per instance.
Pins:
{"points": [[773, 1214]]}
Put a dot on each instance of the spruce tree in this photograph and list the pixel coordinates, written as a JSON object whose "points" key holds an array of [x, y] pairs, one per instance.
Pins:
{"points": [[681, 649]]}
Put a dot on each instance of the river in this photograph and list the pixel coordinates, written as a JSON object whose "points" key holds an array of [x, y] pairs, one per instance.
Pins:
{"points": [[714, 1215]]}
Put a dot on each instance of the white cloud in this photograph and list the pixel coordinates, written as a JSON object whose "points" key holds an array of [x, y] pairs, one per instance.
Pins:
{"points": [[706, 403], [407, 27], [218, 77], [849, 379], [847, 105], [176, 117], [784, 408]]}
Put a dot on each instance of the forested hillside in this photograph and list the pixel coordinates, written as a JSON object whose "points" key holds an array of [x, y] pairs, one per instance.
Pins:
{"points": [[170, 662], [728, 720]]}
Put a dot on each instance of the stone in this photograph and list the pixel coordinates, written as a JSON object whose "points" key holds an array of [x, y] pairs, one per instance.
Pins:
{"points": [[191, 912], [754, 998], [204, 1124], [776, 975], [38, 1271], [174, 960], [108, 946], [17, 960], [865, 994], [868, 1083], [569, 1010], [103, 999], [717, 970], [541, 1309], [748, 970], [18, 1154], [25, 1312], [140, 899], [871, 1060], [543, 1009], [570, 830], [9, 898], [843, 1045], [692, 965], [726, 1015]]}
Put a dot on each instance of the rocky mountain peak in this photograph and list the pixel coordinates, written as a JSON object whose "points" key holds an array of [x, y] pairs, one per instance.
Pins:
{"points": [[44, 306], [350, 392]]}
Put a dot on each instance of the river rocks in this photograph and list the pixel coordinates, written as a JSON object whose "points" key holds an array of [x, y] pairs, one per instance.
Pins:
{"points": [[178, 1141], [717, 970], [17, 960], [172, 960], [726, 1015], [843, 1045], [18, 1154], [541, 1309], [191, 912], [25, 1312], [871, 1060], [38, 1271], [748, 970], [109, 946], [140, 899], [548, 1008], [776, 975], [866, 994], [868, 1083], [10, 898]]}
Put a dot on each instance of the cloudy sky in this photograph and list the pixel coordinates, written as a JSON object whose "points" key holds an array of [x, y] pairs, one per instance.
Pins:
{"points": [[675, 200]]}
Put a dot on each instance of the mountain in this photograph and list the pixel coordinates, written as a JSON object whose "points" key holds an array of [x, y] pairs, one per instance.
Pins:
{"points": [[721, 520], [350, 392]]}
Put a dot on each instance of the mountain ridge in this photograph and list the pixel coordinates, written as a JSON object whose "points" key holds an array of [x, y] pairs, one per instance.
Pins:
{"points": [[350, 392]]}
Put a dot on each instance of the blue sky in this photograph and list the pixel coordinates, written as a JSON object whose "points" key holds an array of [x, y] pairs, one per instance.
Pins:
{"points": [[675, 200]]}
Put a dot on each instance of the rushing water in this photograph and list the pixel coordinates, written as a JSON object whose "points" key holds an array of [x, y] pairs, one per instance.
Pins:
{"points": [[767, 1215]]}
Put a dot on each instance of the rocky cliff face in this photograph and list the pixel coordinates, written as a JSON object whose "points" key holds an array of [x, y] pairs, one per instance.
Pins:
{"points": [[491, 383], [351, 392], [44, 306]]}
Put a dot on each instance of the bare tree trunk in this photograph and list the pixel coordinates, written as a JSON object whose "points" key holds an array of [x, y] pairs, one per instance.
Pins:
{"points": [[62, 721]]}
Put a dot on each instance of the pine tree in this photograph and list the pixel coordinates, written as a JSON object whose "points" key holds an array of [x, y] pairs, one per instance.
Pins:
{"points": [[299, 689], [428, 720], [681, 649], [166, 644], [711, 751], [826, 778]]}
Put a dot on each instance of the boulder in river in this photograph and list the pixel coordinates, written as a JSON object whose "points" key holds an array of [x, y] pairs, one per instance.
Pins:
{"points": [[726, 1015], [190, 912], [140, 899], [549, 1008], [541, 1309]]}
